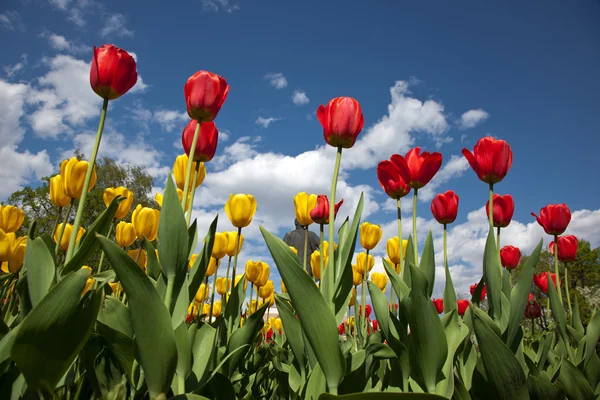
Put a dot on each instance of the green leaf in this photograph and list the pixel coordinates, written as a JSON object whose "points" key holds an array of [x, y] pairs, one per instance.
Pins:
{"points": [[41, 270], [192, 238], [292, 328], [202, 350], [382, 396], [428, 347], [52, 335], [456, 331], [427, 263], [189, 397], [397, 283], [591, 337], [576, 318], [541, 388], [316, 384], [184, 350], [504, 373], [150, 319], [153, 267], [449, 293], [520, 294], [114, 325], [233, 307], [316, 318], [476, 296], [558, 312], [382, 312], [575, 384], [198, 270], [492, 277]]}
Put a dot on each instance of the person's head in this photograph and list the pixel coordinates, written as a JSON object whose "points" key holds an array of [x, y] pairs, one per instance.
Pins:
{"points": [[299, 225]]}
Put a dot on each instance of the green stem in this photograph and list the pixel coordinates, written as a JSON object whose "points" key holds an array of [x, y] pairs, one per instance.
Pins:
{"points": [[306, 251], [212, 297], [556, 269], [235, 258], [86, 183], [401, 247], [108, 236], [491, 208], [192, 195], [188, 170], [445, 245], [363, 299], [62, 228], [57, 221], [567, 291], [181, 384], [322, 255], [355, 324], [336, 172], [226, 283], [250, 302], [414, 224]]}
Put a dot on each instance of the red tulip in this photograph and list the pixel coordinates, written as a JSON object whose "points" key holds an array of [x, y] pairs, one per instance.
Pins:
{"points": [[375, 325], [567, 248], [320, 214], [483, 290], [503, 210], [491, 159], [341, 328], [206, 146], [462, 306], [532, 310], [113, 72], [417, 169], [270, 335], [510, 257], [342, 121], [541, 281], [444, 207], [439, 305], [530, 297], [205, 94], [367, 308], [554, 218], [391, 180]]}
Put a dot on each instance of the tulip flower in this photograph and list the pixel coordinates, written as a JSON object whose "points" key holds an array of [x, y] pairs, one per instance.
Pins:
{"points": [[390, 179], [567, 248], [237, 280], [368, 310], [357, 275], [12, 250], [216, 308], [113, 72], [510, 257], [253, 270], [192, 313], [125, 205], [205, 94], [73, 177], [220, 246], [320, 213], [125, 235], [223, 285], [294, 250], [240, 209], [213, 264], [473, 287], [265, 291], [503, 210], [192, 261], [303, 204], [554, 218], [264, 275], [444, 207], [315, 263], [380, 279], [179, 168], [201, 294], [64, 241], [283, 289], [462, 306], [145, 222], [140, 257], [370, 235], [375, 325], [491, 159], [231, 243], [342, 121], [417, 168], [353, 295], [11, 218], [532, 309], [114, 286], [57, 193], [439, 305], [206, 144], [541, 281], [341, 329], [362, 264], [88, 284]]}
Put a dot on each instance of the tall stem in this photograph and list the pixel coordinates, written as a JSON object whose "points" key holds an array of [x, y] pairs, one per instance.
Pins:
{"points": [[491, 208], [188, 169], [355, 323], [400, 244], [336, 172], [212, 297], [567, 291], [445, 245], [306, 251], [251, 292], [62, 228], [237, 252], [321, 255], [56, 221], [414, 224], [112, 226], [223, 302], [363, 299], [86, 183], [192, 195], [556, 269]]}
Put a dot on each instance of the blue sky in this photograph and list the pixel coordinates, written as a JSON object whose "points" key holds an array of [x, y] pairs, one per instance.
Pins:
{"points": [[439, 75]]}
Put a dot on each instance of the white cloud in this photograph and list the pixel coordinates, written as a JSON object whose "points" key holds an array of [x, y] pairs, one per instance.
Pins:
{"points": [[78, 10], [451, 169], [11, 21], [472, 118], [114, 25], [62, 4], [277, 80], [219, 5], [12, 70], [243, 148], [265, 122], [18, 169], [299, 98], [170, 119], [12, 100], [60, 43]]}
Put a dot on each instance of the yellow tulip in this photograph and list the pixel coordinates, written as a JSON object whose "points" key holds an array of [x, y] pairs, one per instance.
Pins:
{"points": [[265, 291], [125, 205], [12, 250], [213, 264], [397, 267], [231, 243], [57, 193], [73, 174], [201, 294], [356, 276], [253, 305], [242, 320], [253, 270], [192, 261], [114, 287], [315, 263], [11, 218], [220, 245], [179, 168], [264, 275], [240, 209], [223, 285], [352, 297], [276, 323], [206, 309], [216, 308], [362, 264], [265, 329], [271, 299], [88, 285], [283, 289], [145, 222], [370, 235], [303, 204], [351, 322], [380, 279], [158, 197], [64, 242], [295, 250], [237, 279], [393, 249], [192, 312], [141, 260], [125, 235]]}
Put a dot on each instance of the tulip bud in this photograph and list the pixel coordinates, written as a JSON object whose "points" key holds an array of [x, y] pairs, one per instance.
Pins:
{"points": [[57, 194], [444, 207], [216, 308], [223, 285], [12, 250], [439, 305], [145, 222], [140, 257], [276, 324], [220, 245], [380, 279], [542, 281], [265, 291], [503, 208], [320, 213], [352, 297], [232, 243], [416, 168], [11, 218], [370, 235], [554, 218], [315, 262], [362, 264], [192, 312], [125, 205], [206, 145], [462, 306], [567, 248], [303, 204], [357, 276], [368, 310], [113, 72], [253, 270], [510, 257], [532, 310], [73, 174], [125, 235], [213, 264], [201, 294], [180, 167], [491, 159], [88, 284], [64, 242], [342, 120], [205, 94], [237, 279], [264, 275], [391, 180], [393, 249], [240, 209]]}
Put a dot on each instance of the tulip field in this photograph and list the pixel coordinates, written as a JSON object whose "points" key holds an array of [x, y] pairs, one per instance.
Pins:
{"points": [[156, 306]]}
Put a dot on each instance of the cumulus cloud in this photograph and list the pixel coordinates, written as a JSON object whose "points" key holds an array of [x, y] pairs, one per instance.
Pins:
{"points": [[20, 168], [265, 122], [170, 119], [60, 43], [299, 98], [114, 25], [277, 80], [472, 118], [12, 70]]}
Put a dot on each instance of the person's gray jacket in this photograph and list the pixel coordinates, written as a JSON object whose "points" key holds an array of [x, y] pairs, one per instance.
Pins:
{"points": [[295, 238]]}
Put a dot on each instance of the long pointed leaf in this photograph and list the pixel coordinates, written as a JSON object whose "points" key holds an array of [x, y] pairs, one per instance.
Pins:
{"points": [[41, 270], [427, 263], [492, 277]]}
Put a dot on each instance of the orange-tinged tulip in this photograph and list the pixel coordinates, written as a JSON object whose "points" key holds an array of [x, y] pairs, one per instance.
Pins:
{"points": [[264, 275], [237, 279], [253, 270], [141, 259], [303, 204], [240, 209], [232, 243], [213, 264], [11, 218], [145, 222], [179, 168], [380, 279], [220, 245], [73, 176], [64, 242], [370, 235], [125, 234], [356, 275], [113, 72], [201, 294], [362, 264], [125, 205], [57, 193], [265, 291], [223, 285], [393, 249]]}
